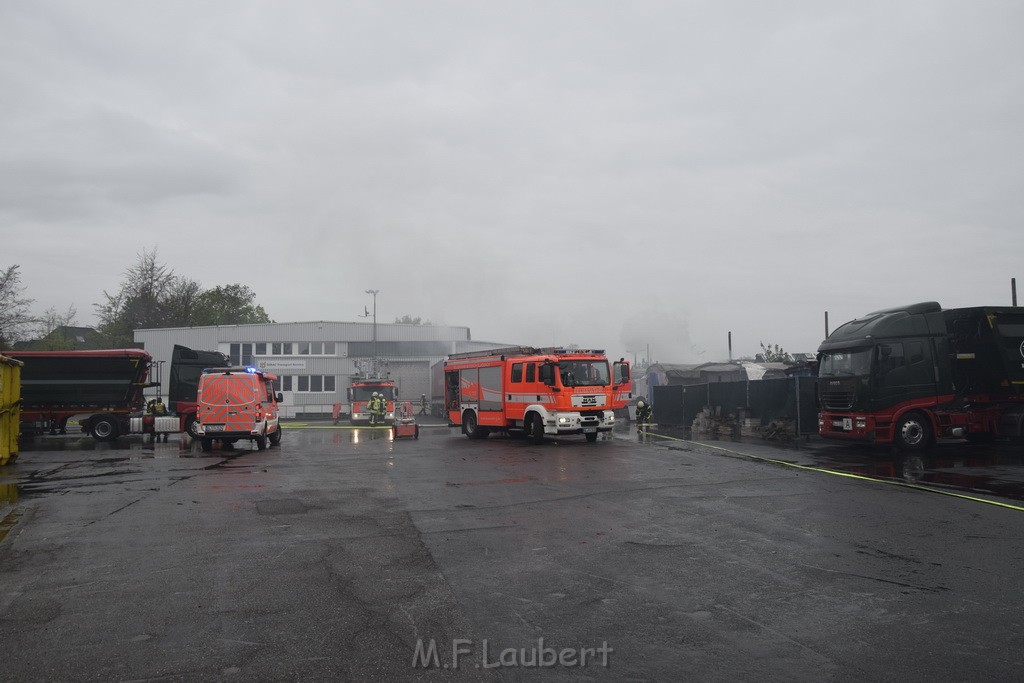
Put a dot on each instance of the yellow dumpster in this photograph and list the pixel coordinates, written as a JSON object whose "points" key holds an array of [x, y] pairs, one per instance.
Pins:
{"points": [[10, 408]]}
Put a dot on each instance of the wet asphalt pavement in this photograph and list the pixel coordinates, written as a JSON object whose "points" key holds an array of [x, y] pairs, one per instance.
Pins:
{"points": [[660, 558]]}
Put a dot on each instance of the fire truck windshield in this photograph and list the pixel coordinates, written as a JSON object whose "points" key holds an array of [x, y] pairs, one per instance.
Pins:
{"points": [[584, 373], [364, 393], [849, 362]]}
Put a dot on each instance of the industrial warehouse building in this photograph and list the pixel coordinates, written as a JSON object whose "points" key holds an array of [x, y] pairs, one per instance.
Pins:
{"points": [[316, 361]]}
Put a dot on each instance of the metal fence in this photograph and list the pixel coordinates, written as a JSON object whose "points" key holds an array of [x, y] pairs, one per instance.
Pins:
{"points": [[792, 398]]}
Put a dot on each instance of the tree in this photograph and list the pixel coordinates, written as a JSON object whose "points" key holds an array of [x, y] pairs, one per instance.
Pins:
{"points": [[409, 320], [181, 307], [774, 354], [229, 305], [151, 295], [50, 323], [14, 315], [140, 303]]}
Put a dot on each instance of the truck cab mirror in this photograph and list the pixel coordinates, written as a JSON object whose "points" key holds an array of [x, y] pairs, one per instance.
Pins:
{"points": [[547, 373], [621, 372], [279, 397], [884, 351]]}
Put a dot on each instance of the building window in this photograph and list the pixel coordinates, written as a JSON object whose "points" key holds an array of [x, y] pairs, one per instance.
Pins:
{"points": [[329, 348], [261, 349], [316, 383], [241, 354], [303, 348], [286, 383]]}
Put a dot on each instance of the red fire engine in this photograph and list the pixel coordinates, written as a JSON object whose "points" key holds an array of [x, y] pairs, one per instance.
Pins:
{"points": [[550, 391], [359, 394]]}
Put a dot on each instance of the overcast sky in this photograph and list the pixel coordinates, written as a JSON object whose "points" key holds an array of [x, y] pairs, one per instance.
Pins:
{"points": [[610, 174]]}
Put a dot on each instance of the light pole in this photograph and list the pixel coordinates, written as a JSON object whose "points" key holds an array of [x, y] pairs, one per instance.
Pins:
{"points": [[374, 292]]}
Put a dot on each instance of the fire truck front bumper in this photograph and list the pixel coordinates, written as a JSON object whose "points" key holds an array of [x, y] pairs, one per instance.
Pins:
{"points": [[585, 423]]}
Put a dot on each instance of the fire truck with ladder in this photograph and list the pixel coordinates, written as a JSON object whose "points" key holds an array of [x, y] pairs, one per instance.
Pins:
{"points": [[538, 392], [368, 380]]}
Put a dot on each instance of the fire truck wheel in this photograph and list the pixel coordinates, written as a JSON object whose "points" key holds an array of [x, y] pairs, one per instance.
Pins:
{"points": [[207, 445], [275, 438], [191, 424], [472, 429], [261, 442], [591, 437], [104, 428], [913, 432], [536, 429]]}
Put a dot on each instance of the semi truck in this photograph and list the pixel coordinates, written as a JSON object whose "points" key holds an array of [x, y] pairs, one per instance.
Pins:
{"points": [[909, 375], [102, 388], [535, 391]]}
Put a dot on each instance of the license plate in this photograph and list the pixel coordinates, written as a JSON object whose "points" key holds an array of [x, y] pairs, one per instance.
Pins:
{"points": [[589, 430]]}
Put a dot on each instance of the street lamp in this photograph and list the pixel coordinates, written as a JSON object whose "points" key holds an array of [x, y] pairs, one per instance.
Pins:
{"points": [[374, 292]]}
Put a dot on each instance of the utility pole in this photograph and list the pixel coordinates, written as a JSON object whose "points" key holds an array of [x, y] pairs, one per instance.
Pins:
{"points": [[374, 292]]}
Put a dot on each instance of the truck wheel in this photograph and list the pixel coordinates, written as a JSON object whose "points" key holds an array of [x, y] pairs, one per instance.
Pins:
{"points": [[207, 445], [536, 428], [472, 428], [591, 438], [191, 427], [261, 442], [104, 428], [913, 432], [275, 438]]}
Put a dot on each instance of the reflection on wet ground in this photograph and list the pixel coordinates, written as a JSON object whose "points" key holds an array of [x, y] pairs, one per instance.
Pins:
{"points": [[78, 461], [993, 468]]}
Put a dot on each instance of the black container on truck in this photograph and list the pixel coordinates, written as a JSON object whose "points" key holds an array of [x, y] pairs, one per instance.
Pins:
{"points": [[101, 388]]}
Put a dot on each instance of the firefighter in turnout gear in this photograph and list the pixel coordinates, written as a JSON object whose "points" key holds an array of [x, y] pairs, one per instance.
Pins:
{"points": [[424, 404], [377, 407], [643, 412], [156, 408]]}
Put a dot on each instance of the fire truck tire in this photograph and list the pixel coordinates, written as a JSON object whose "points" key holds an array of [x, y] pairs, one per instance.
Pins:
{"points": [[207, 445], [261, 442], [536, 428], [472, 428], [191, 427], [913, 432], [275, 438], [104, 428], [592, 437]]}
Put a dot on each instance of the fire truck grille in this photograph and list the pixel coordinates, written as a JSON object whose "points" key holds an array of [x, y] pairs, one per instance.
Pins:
{"points": [[837, 400], [591, 416]]}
